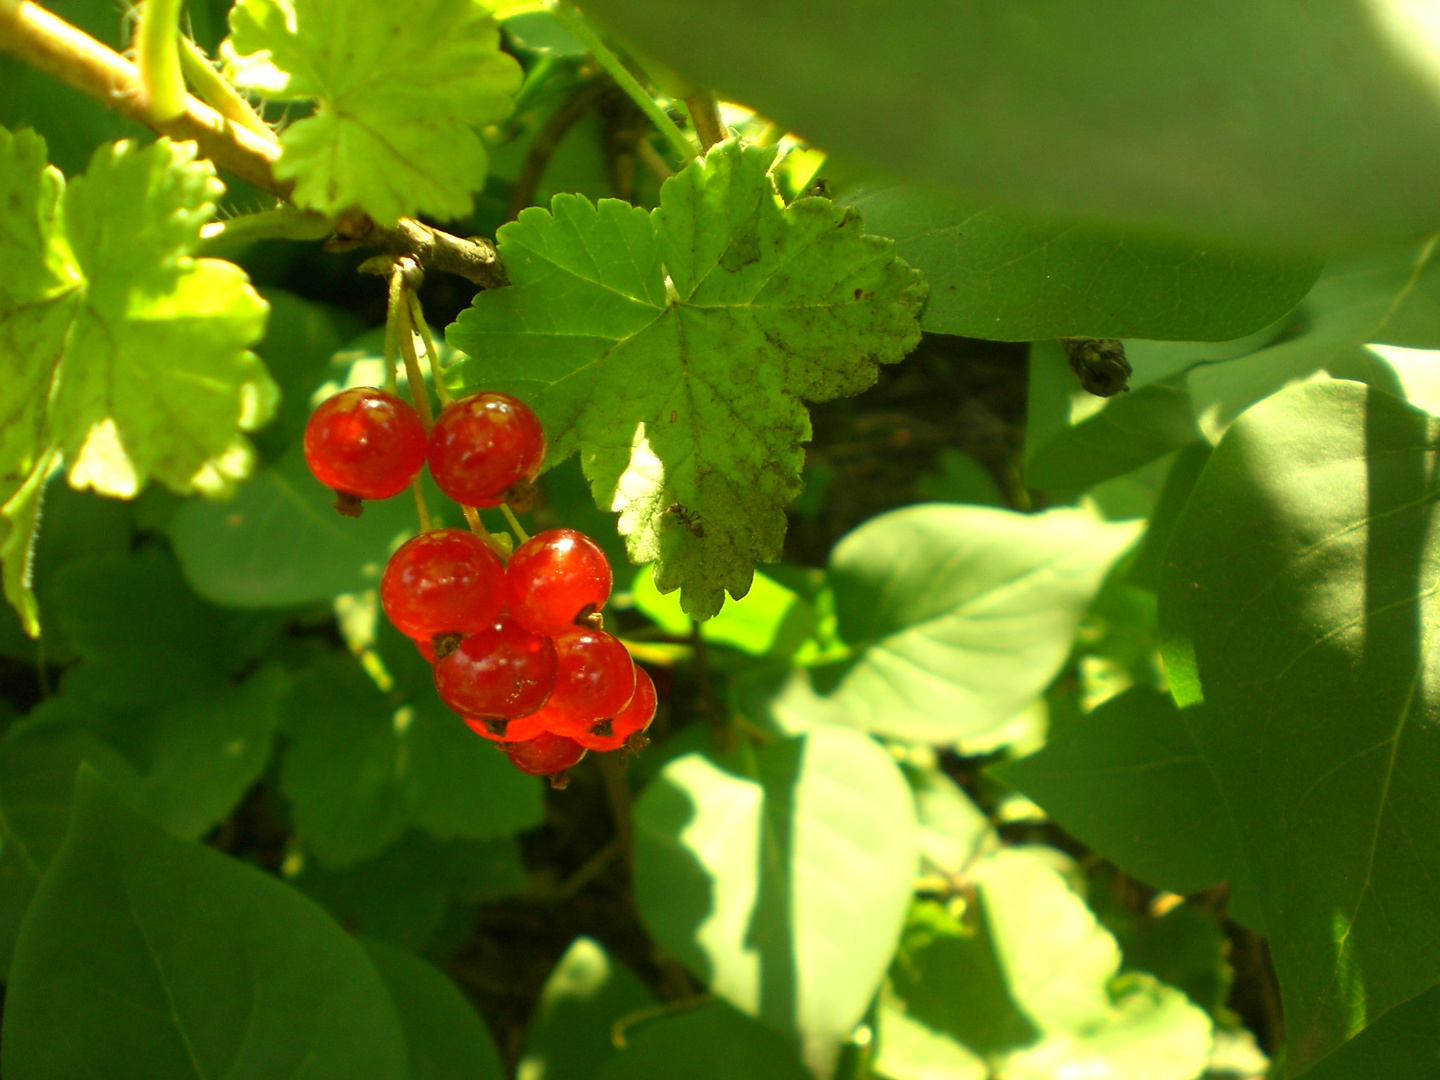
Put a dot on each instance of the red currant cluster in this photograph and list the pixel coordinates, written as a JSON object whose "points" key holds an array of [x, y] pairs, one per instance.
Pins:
{"points": [[518, 649]]}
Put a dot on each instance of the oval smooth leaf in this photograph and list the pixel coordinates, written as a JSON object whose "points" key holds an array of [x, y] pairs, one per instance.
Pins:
{"points": [[759, 884], [149, 957], [1297, 602]]}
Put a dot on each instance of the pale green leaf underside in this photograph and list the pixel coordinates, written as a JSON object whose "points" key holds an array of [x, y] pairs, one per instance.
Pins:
{"points": [[1256, 121], [674, 351], [1299, 599], [400, 91], [1004, 276]]}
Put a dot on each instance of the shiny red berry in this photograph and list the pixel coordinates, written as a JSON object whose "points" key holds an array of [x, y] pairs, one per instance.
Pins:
{"points": [[630, 721], [446, 581], [503, 671], [364, 443], [520, 729], [483, 445], [594, 679], [545, 755], [556, 578]]}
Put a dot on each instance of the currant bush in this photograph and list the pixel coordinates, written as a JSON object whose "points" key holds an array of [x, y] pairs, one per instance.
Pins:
{"points": [[364, 443], [484, 445], [555, 580]]}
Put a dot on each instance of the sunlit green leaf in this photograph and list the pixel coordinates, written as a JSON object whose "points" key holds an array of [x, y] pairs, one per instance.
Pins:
{"points": [[755, 882], [957, 616], [399, 94], [674, 350]]}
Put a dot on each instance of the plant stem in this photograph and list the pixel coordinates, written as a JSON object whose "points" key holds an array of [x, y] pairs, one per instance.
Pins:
{"points": [[50, 44], [520, 533], [216, 91], [705, 115], [417, 318], [420, 507], [398, 315], [282, 223], [157, 50], [621, 74]]}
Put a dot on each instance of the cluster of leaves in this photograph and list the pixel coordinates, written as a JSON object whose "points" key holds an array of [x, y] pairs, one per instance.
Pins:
{"points": [[1206, 661]]}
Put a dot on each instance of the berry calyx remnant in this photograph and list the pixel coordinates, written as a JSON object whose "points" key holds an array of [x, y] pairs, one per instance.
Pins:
{"points": [[629, 723], [504, 671], [545, 755], [364, 443], [446, 581], [483, 445], [555, 579]]}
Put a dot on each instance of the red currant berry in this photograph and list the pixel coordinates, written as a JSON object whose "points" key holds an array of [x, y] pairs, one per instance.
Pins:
{"points": [[363, 443], [594, 679], [503, 671], [520, 729], [446, 581], [556, 578], [628, 722], [484, 444], [545, 755]]}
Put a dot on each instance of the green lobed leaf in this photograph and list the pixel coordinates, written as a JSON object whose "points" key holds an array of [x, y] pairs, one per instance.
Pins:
{"points": [[399, 92], [119, 349], [146, 640], [445, 1039], [362, 765], [584, 998], [957, 617], [1296, 602], [1128, 781], [1230, 119], [1388, 296], [673, 350], [754, 882], [148, 956], [280, 543], [710, 1042], [404, 893], [1003, 276]]}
